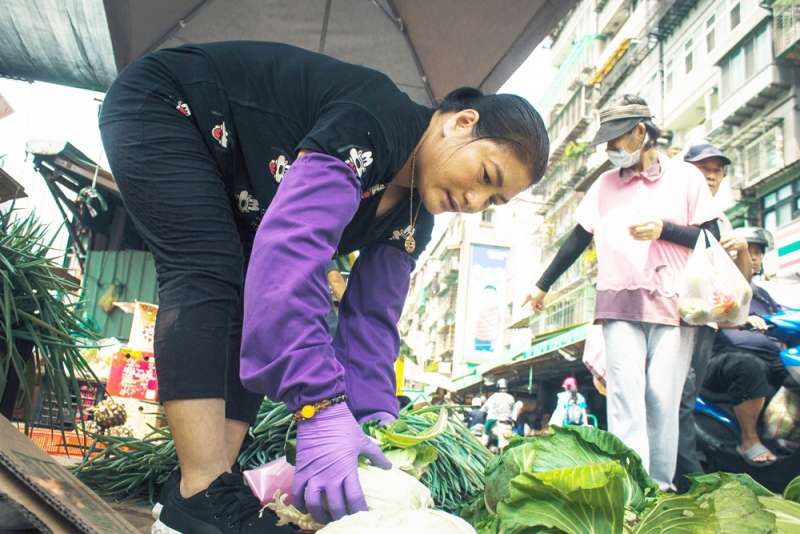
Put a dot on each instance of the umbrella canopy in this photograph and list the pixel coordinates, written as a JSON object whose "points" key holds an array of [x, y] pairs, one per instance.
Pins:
{"points": [[427, 47]]}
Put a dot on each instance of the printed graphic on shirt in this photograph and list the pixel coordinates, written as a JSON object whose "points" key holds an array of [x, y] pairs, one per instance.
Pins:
{"points": [[359, 160], [279, 167], [220, 134], [375, 189], [183, 108], [247, 202]]}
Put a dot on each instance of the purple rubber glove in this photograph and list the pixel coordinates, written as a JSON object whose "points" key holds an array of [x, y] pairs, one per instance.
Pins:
{"points": [[328, 447], [383, 418]]}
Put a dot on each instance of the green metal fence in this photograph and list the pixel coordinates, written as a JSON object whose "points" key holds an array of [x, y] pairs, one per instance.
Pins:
{"points": [[121, 276]]}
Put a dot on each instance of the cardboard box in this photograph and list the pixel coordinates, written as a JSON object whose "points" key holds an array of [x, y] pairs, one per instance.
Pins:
{"points": [[49, 495], [143, 326]]}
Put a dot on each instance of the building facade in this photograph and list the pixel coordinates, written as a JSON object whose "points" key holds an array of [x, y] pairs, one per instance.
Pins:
{"points": [[719, 71], [466, 290]]}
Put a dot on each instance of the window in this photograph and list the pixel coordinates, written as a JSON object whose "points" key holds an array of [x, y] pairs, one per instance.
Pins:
{"points": [[668, 77], [486, 216], [761, 158], [746, 60], [781, 206], [688, 60], [710, 34], [736, 15]]}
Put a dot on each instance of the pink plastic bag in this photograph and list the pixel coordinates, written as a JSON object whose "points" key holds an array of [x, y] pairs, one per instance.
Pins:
{"points": [[265, 480], [594, 352]]}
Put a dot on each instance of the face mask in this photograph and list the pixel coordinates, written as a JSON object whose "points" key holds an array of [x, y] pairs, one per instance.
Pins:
{"points": [[620, 158]]}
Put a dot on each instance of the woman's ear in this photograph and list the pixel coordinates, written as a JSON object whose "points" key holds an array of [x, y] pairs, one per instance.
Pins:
{"points": [[460, 123]]}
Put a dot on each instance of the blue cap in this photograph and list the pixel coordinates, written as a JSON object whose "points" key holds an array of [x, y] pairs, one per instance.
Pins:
{"points": [[704, 151]]}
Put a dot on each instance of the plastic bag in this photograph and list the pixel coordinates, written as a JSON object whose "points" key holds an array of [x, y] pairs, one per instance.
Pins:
{"points": [[275, 475], [399, 522], [386, 491], [594, 356], [713, 289], [782, 418]]}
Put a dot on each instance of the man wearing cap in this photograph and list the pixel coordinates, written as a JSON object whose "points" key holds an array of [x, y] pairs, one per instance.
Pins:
{"points": [[713, 164], [645, 216]]}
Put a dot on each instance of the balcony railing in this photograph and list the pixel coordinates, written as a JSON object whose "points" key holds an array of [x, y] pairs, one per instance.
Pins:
{"points": [[576, 66], [786, 29], [741, 105], [575, 307]]}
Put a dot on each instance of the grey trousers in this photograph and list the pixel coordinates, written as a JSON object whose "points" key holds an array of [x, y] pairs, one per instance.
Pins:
{"points": [[647, 366], [688, 460]]}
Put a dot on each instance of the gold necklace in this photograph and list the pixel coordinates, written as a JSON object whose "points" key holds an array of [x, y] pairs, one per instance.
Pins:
{"points": [[410, 244]]}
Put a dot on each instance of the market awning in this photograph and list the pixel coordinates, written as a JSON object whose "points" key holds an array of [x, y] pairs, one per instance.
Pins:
{"points": [[10, 189], [555, 343], [428, 48]]}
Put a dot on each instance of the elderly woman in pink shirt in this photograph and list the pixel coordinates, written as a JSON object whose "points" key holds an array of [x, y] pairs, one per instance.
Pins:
{"points": [[645, 216]]}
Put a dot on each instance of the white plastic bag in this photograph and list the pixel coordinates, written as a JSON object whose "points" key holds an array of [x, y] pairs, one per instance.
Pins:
{"points": [[385, 490], [713, 289], [399, 522], [782, 418]]}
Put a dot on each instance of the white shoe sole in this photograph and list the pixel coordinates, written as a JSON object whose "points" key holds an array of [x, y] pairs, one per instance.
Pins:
{"points": [[160, 528], [155, 513]]}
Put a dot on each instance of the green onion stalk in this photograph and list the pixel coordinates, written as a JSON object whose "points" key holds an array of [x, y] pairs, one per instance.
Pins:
{"points": [[124, 468], [40, 328]]}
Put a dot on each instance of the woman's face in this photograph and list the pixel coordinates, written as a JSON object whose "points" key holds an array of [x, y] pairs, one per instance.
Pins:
{"points": [[458, 174], [630, 142]]}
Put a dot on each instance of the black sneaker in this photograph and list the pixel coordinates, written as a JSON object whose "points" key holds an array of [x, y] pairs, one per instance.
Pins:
{"points": [[166, 490], [226, 507], [169, 486]]}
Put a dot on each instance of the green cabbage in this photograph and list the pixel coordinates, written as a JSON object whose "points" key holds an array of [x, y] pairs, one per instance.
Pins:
{"points": [[584, 480], [571, 446], [792, 490]]}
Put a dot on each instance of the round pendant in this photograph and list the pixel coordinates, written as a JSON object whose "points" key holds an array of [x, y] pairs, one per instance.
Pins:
{"points": [[410, 244]]}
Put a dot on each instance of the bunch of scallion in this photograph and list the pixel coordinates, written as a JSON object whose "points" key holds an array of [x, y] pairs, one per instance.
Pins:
{"points": [[456, 473], [39, 327], [453, 467], [123, 468]]}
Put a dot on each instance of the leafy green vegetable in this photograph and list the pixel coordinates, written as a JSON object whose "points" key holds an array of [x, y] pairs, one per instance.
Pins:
{"points": [[581, 499], [41, 332], [568, 447], [398, 433], [413, 460], [711, 481], [725, 505], [456, 476], [792, 490], [787, 513]]}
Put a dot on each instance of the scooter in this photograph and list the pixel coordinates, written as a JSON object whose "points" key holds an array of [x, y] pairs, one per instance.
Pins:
{"points": [[718, 432]]}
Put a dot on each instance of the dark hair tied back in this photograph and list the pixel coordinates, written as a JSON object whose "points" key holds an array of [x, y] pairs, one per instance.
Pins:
{"points": [[462, 98], [506, 119]]}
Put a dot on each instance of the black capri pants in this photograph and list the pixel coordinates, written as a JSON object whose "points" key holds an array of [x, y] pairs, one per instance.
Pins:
{"points": [[175, 189], [744, 375]]}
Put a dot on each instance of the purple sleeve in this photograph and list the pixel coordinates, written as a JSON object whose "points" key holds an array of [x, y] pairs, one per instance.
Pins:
{"points": [[286, 349], [367, 342]]}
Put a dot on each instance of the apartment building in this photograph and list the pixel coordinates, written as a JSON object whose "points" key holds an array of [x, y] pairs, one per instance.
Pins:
{"points": [[465, 292]]}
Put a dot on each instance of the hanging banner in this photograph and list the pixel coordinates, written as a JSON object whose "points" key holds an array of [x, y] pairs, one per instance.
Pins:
{"points": [[486, 303]]}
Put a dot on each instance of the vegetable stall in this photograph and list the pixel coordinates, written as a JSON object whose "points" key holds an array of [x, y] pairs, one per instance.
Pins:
{"points": [[573, 480]]}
